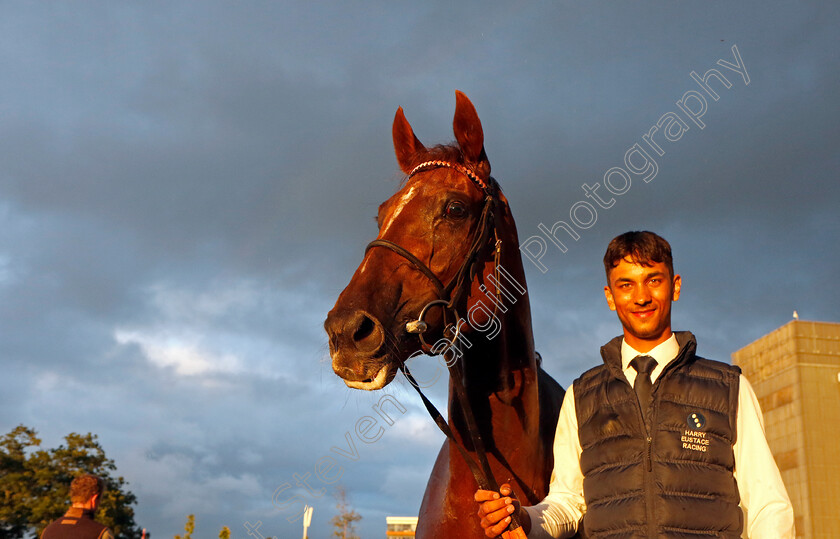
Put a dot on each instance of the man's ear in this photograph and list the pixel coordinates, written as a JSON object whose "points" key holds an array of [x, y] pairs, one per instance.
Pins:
{"points": [[609, 296], [94, 501], [677, 284]]}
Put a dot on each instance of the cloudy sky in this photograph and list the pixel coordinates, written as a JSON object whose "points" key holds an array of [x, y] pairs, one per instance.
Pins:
{"points": [[185, 188]]}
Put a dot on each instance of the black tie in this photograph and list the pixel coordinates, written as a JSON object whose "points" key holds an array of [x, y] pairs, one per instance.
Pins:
{"points": [[644, 365]]}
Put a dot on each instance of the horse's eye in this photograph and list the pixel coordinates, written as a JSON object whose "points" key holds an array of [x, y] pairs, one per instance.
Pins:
{"points": [[456, 210]]}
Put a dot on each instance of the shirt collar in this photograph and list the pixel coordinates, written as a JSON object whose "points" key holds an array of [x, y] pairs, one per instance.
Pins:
{"points": [[78, 512], [663, 353]]}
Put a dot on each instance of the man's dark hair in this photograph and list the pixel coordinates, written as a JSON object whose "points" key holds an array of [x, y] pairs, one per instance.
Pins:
{"points": [[644, 248], [84, 487]]}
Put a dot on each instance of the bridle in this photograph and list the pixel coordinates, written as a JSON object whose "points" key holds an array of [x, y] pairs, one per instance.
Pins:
{"points": [[449, 295], [452, 293]]}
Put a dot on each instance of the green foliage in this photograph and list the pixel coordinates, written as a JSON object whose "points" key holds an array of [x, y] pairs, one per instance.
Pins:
{"points": [[35, 484], [343, 522], [189, 528]]}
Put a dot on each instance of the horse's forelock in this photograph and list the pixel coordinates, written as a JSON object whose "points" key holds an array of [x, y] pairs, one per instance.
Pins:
{"points": [[442, 152]]}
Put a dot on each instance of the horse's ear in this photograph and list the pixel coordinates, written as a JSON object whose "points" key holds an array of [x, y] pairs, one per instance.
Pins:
{"points": [[469, 134], [406, 144]]}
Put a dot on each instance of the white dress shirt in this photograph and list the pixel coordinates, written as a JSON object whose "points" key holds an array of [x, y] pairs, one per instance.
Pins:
{"points": [[764, 500]]}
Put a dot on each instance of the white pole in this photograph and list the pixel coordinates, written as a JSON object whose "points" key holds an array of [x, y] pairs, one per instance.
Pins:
{"points": [[307, 519]]}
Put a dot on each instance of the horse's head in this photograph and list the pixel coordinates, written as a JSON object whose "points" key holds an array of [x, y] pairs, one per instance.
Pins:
{"points": [[436, 235]]}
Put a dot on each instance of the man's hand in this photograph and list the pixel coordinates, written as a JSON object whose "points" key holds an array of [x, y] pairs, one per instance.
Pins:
{"points": [[495, 508]]}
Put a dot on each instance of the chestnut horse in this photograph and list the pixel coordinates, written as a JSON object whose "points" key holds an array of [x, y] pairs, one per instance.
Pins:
{"points": [[447, 246]]}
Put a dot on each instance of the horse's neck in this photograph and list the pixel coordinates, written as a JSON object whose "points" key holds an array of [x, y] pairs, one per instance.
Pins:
{"points": [[490, 361], [501, 377]]}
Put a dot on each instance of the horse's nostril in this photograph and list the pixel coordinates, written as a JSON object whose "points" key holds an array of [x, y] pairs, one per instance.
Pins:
{"points": [[365, 329], [353, 331]]}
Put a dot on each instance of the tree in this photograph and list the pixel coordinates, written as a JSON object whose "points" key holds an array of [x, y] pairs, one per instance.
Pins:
{"points": [[189, 528], [35, 484], [343, 521]]}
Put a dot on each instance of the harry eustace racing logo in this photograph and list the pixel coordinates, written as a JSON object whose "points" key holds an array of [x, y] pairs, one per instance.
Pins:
{"points": [[694, 439]]}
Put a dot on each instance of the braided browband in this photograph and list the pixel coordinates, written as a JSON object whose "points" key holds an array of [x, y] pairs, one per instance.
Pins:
{"points": [[460, 168]]}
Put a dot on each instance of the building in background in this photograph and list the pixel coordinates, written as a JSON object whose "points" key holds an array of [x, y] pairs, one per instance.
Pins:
{"points": [[795, 371], [400, 526]]}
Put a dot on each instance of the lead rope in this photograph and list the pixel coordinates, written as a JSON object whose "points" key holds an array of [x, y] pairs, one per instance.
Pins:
{"points": [[481, 471], [444, 426]]}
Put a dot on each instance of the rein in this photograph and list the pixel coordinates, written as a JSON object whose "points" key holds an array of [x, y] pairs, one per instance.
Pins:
{"points": [[449, 296]]}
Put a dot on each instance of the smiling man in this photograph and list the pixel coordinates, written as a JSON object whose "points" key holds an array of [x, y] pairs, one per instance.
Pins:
{"points": [[656, 441]]}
